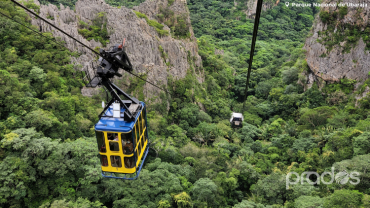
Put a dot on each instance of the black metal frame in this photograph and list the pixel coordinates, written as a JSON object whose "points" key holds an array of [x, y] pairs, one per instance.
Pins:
{"points": [[110, 62], [115, 92]]}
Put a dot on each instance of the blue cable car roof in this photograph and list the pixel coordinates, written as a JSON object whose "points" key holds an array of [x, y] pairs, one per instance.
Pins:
{"points": [[116, 124]]}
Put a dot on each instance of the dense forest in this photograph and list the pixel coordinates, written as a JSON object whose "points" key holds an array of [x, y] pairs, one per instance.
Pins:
{"points": [[48, 152]]}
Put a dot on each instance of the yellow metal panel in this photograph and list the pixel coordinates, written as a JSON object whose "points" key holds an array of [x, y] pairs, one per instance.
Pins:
{"points": [[138, 133], [109, 153]]}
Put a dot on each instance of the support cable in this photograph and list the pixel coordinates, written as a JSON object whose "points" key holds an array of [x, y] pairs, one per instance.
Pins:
{"points": [[255, 30]]}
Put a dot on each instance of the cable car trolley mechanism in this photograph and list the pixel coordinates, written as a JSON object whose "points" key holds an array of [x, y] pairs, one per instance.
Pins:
{"points": [[121, 132]]}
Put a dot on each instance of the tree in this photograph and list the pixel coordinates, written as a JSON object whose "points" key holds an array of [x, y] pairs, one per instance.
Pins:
{"points": [[309, 202], [80, 202], [249, 132], [336, 98], [361, 144], [339, 120], [190, 114], [178, 135], [317, 116], [275, 127], [290, 128], [62, 168], [206, 132], [183, 200], [204, 190], [283, 141], [341, 143], [305, 142], [44, 121], [248, 175], [203, 116], [344, 199], [358, 164], [272, 188], [226, 184], [248, 204], [314, 97], [363, 125], [163, 204], [182, 27], [37, 74], [290, 75], [263, 89]]}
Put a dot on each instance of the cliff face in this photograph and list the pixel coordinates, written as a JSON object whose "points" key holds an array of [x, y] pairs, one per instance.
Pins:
{"points": [[143, 42], [252, 6], [347, 56]]}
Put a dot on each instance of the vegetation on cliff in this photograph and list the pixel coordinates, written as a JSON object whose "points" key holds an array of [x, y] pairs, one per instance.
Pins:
{"points": [[97, 29], [340, 33]]}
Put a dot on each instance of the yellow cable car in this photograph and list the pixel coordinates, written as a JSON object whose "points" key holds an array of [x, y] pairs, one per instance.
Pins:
{"points": [[121, 132], [122, 144]]}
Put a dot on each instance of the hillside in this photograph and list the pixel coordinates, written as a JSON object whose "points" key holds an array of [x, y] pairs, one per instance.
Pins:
{"points": [[339, 45], [48, 150], [156, 51]]}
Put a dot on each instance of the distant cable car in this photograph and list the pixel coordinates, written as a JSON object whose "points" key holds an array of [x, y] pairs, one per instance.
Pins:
{"points": [[236, 120], [121, 132]]}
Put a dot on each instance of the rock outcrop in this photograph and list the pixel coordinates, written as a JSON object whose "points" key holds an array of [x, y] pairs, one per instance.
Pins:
{"points": [[333, 65], [252, 6], [142, 41]]}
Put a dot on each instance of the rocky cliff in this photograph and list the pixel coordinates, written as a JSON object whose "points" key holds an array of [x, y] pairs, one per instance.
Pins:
{"points": [[158, 56], [339, 45], [252, 6]]}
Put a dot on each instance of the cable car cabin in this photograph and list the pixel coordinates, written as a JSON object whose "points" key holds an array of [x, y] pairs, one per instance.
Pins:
{"points": [[236, 120], [122, 144]]}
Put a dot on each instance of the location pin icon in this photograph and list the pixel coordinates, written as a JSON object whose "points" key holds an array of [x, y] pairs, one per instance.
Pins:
{"points": [[286, 3]]}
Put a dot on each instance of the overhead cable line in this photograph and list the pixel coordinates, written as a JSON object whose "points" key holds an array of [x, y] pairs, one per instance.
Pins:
{"points": [[39, 33], [255, 30], [36, 15], [149, 82]]}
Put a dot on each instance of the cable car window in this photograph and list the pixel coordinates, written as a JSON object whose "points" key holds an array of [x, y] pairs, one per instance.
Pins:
{"points": [[113, 141], [142, 122], [113, 146], [144, 113], [138, 126], [139, 148], [137, 133], [101, 143], [104, 160], [125, 137], [142, 140], [115, 161], [112, 136], [128, 148], [145, 135], [129, 162], [137, 156]]}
